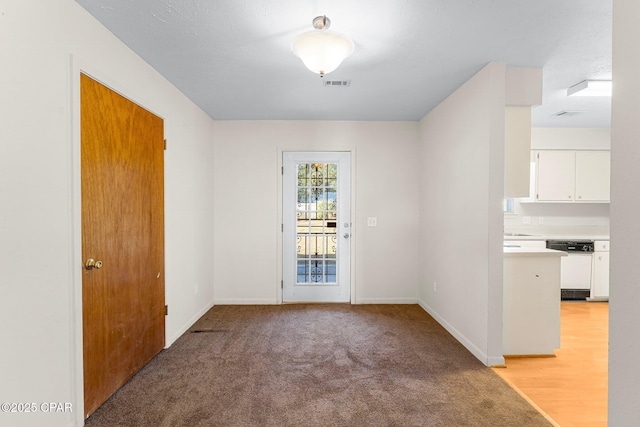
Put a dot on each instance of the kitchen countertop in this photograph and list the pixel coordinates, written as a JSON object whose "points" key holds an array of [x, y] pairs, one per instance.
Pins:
{"points": [[514, 236]]}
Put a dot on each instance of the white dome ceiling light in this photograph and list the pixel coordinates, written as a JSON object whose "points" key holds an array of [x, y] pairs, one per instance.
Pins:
{"points": [[321, 50]]}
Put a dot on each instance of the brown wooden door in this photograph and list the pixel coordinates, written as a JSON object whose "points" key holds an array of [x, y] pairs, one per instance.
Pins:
{"points": [[122, 173]]}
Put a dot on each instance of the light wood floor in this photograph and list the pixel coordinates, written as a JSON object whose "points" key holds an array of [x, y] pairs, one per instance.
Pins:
{"points": [[571, 387]]}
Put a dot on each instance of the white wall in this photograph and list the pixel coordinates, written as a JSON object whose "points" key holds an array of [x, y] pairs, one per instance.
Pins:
{"points": [[43, 47], [624, 316], [462, 161], [248, 205], [570, 138], [39, 215]]}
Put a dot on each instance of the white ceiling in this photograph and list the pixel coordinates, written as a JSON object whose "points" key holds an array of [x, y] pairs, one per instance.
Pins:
{"points": [[233, 57]]}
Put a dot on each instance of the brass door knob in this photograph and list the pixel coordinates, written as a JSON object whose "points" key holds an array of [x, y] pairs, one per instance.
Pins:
{"points": [[91, 264]]}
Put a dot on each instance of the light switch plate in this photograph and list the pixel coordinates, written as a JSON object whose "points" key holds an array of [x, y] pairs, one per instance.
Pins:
{"points": [[372, 222]]}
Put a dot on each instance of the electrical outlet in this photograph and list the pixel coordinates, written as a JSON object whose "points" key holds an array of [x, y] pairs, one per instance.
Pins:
{"points": [[435, 287], [372, 222], [540, 220], [526, 220]]}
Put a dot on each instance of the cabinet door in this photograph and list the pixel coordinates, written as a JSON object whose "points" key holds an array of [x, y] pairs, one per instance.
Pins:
{"points": [[593, 169], [600, 275], [556, 175]]}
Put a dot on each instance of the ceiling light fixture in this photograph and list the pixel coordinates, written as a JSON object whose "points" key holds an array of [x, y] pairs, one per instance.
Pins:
{"points": [[591, 88], [321, 50]]}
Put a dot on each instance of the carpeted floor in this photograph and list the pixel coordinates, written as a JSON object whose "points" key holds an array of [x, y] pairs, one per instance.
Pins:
{"points": [[316, 365]]}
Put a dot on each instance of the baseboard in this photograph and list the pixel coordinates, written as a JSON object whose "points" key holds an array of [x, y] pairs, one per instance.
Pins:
{"points": [[479, 354], [386, 300], [188, 324], [496, 361], [247, 301]]}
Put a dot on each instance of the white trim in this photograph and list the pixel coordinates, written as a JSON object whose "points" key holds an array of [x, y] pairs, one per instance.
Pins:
{"points": [[354, 230], [345, 292], [279, 225], [77, 66], [246, 301], [76, 350], [188, 324], [479, 354], [495, 361], [279, 255], [388, 301]]}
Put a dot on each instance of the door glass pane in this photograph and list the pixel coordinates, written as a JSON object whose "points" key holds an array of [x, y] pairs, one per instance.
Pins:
{"points": [[303, 175], [332, 175], [303, 198], [303, 226], [330, 271], [303, 271], [302, 246], [317, 223]]}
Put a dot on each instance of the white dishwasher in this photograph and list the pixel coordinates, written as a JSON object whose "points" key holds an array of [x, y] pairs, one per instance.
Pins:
{"points": [[575, 269]]}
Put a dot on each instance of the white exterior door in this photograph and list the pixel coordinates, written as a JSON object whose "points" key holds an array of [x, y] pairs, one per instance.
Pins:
{"points": [[316, 227]]}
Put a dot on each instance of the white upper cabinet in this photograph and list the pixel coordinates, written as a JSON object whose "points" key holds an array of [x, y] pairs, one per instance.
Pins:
{"points": [[572, 176], [556, 172], [593, 171]]}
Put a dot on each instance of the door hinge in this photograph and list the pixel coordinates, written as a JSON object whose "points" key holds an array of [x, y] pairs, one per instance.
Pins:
{"points": [[165, 144], [166, 310], [281, 284], [538, 155], [282, 170], [281, 227], [537, 196]]}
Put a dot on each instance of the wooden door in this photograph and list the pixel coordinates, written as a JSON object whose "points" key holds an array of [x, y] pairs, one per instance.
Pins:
{"points": [[122, 173]]}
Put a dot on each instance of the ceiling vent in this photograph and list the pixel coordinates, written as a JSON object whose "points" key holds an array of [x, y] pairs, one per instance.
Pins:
{"points": [[567, 113], [336, 83]]}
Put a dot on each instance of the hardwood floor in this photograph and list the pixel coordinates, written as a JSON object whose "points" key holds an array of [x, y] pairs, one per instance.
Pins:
{"points": [[571, 387]]}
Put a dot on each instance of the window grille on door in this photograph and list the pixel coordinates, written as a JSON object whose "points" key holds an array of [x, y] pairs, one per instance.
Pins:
{"points": [[316, 220]]}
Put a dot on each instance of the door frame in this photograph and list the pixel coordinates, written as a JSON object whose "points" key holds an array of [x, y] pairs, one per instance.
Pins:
{"points": [[78, 65], [320, 148]]}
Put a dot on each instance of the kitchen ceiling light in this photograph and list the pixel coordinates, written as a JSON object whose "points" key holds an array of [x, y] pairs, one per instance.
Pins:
{"points": [[321, 50], [591, 88]]}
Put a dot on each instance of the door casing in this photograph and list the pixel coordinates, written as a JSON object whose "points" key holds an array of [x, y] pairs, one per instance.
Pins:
{"points": [[79, 65], [319, 148]]}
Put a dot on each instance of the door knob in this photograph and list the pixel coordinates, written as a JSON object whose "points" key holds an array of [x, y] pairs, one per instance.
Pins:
{"points": [[91, 264]]}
